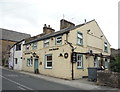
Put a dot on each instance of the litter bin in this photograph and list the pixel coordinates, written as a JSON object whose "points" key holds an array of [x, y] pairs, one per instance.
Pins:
{"points": [[92, 74]]}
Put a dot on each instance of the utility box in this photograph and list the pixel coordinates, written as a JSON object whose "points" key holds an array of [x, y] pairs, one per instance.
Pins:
{"points": [[92, 74]]}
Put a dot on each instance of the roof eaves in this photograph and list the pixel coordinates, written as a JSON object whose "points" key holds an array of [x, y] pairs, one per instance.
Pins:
{"points": [[58, 32]]}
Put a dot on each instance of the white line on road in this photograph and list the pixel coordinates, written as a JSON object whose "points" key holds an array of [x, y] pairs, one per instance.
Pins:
{"points": [[21, 88], [16, 83]]}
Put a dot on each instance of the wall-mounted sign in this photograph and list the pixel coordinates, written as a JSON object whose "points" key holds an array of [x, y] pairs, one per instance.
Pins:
{"points": [[74, 57], [53, 49], [27, 53], [66, 55]]}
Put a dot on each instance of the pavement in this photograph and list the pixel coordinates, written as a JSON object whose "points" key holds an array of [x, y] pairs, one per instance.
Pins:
{"points": [[80, 83]]}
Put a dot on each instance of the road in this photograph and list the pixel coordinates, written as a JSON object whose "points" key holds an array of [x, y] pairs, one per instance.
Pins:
{"points": [[12, 80]]}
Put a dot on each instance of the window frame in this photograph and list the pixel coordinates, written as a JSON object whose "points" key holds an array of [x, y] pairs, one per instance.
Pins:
{"points": [[27, 47], [105, 43], [16, 61], [18, 47], [56, 43], [46, 67], [34, 45], [80, 67], [30, 62], [78, 38], [106, 62], [46, 43], [95, 61]]}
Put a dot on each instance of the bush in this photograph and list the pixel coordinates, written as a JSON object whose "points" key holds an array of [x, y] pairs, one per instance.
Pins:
{"points": [[115, 64]]}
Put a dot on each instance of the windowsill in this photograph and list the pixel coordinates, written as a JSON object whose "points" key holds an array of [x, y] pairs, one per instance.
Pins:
{"points": [[80, 68], [58, 44], [80, 45], [46, 47], [48, 67], [18, 50], [106, 51], [29, 66]]}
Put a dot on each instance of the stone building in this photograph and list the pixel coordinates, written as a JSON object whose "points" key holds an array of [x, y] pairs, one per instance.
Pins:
{"points": [[7, 39], [69, 52]]}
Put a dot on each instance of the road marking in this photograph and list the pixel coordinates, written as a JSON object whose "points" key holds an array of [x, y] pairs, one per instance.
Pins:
{"points": [[21, 88], [16, 83]]}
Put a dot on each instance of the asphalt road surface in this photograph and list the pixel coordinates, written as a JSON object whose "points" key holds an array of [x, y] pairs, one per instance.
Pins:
{"points": [[12, 80]]}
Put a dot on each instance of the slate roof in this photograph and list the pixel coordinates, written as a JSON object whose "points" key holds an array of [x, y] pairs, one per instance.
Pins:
{"points": [[46, 36], [12, 35]]}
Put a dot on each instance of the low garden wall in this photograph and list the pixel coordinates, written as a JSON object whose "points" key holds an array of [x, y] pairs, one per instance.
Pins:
{"points": [[108, 78]]}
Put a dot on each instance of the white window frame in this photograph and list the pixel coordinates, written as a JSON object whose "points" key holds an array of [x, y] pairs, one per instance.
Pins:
{"points": [[95, 61], [50, 67], [106, 63], [29, 62], [18, 47], [27, 47], [34, 45], [46, 43], [80, 62], [57, 43], [79, 38], [105, 47]]}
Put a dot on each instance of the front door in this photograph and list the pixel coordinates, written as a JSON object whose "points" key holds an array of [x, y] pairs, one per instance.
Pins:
{"points": [[36, 70]]}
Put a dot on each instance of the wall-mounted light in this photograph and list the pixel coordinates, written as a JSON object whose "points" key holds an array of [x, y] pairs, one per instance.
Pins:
{"points": [[88, 31], [60, 55], [34, 54], [101, 36]]}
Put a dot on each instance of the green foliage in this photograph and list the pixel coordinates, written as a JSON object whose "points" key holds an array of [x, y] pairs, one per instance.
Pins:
{"points": [[115, 64]]}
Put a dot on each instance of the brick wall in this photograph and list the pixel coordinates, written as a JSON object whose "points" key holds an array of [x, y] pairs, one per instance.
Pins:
{"points": [[108, 78]]}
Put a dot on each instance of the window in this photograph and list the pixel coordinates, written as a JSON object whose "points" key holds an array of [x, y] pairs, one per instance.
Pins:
{"points": [[15, 60], [34, 45], [29, 62], [79, 38], [95, 61], [79, 61], [48, 61], [27, 47], [18, 47], [46, 43], [59, 40], [106, 63], [105, 47]]}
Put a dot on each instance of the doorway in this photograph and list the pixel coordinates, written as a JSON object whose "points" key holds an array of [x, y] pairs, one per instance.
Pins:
{"points": [[36, 70]]}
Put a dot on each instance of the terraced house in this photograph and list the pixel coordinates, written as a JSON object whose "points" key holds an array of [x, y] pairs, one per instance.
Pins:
{"points": [[69, 52]]}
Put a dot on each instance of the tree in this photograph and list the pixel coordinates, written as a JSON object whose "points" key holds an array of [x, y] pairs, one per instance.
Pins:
{"points": [[115, 64]]}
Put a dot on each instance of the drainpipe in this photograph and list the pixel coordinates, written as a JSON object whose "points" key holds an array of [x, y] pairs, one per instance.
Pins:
{"points": [[13, 58], [71, 61], [72, 67]]}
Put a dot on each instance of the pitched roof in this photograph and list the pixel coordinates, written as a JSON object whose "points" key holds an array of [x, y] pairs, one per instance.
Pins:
{"points": [[13, 35], [46, 36]]}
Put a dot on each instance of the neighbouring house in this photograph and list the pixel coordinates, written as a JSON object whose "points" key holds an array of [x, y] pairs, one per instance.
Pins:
{"points": [[7, 39], [15, 59], [67, 53]]}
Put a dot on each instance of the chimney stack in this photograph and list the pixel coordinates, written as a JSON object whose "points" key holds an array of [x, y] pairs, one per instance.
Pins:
{"points": [[48, 29], [64, 24]]}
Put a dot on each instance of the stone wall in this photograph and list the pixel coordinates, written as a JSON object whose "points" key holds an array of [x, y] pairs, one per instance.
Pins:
{"points": [[109, 78]]}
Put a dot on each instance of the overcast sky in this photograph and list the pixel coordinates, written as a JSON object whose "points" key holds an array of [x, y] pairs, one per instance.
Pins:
{"points": [[29, 16]]}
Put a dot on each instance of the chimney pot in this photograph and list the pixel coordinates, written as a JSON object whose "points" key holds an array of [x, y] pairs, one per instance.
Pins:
{"points": [[48, 26], [85, 21], [45, 25]]}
